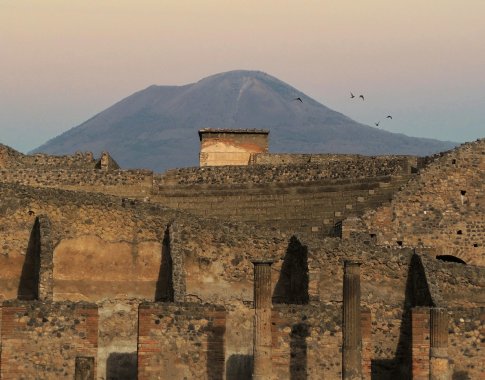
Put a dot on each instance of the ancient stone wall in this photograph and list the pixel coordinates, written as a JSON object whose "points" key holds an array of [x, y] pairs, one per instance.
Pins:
{"points": [[362, 167], [314, 207], [30, 330], [128, 183], [118, 253], [305, 339], [453, 284], [11, 159], [465, 342], [407, 163], [165, 353], [442, 208]]}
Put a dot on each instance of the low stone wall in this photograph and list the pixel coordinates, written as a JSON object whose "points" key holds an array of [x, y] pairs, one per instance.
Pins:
{"points": [[42, 340], [10, 158], [136, 183], [406, 163], [287, 173]]}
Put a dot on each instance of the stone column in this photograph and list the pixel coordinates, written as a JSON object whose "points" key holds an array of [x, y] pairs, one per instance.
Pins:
{"points": [[352, 336], [438, 355], [262, 320]]}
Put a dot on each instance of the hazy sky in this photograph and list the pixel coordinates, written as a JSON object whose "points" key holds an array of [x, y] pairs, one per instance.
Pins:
{"points": [[423, 61]]}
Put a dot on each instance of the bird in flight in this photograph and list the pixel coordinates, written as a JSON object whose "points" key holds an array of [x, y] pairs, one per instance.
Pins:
{"points": [[351, 95], [361, 97], [377, 124], [389, 117], [301, 101]]}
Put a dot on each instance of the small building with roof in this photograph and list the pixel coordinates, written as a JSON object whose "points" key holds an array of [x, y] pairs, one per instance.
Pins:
{"points": [[219, 147]]}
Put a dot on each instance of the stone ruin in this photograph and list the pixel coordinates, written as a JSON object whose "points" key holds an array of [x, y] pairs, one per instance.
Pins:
{"points": [[290, 267]]}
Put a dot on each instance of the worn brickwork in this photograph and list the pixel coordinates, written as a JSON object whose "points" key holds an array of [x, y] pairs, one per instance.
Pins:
{"points": [[42, 340], [442, 208], [420, 343]]}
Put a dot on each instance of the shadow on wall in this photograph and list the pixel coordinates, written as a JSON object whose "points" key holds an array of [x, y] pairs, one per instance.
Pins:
{"points": [[239, 367], [164, 289], [416, 294], [28, 288], [298, 351], [121, 366], [461, 375], [292, 285]]}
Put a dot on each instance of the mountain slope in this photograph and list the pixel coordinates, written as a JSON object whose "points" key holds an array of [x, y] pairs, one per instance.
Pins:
{"points": [[157, 127]]}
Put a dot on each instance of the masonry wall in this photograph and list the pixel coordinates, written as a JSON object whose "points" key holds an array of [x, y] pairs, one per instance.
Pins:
{"points": [[119, 252], [453, 284], [10, 158], [306, 342], [441, 208], [408, 163], [42, 340], [361, 167], [181, 341], [313, 207], [128, 183], [465, 342]]}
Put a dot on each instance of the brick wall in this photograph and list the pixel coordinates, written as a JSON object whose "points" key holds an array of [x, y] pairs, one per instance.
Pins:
{"points": [[42, 340]]}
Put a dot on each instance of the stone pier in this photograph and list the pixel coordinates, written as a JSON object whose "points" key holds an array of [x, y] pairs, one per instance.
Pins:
{"points": [[438, 355], [262, 320], [352, 335]]}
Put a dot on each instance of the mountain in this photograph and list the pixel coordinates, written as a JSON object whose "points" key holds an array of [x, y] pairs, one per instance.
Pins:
{"points": [[156, 128]]}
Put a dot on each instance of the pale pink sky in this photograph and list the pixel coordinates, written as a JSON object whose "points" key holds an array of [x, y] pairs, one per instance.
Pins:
{"points": [[421, 61]]}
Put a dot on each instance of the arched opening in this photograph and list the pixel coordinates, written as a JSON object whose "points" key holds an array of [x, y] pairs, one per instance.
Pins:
{"points": [[450, 259]]}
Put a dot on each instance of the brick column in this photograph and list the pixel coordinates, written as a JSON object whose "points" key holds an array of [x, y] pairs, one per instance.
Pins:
{"points": [[420, 342], [438, 355], [262, 320], [352, 336]]}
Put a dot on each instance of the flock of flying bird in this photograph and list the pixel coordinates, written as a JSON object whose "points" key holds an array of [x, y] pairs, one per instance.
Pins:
{"points": [[352, 96]]}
